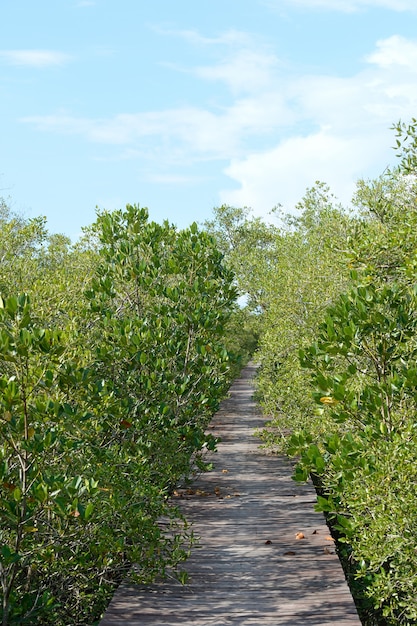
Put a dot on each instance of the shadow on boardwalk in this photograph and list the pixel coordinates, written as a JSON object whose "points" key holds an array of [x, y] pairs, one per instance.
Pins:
{"points": [[249, 568]]}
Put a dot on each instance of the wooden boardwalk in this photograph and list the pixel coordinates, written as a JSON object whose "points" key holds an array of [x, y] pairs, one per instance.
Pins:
{"points": [[264, 557]]}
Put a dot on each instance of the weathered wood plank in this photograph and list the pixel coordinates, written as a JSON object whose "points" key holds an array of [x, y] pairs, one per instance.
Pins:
{"points": [[264, 555]]}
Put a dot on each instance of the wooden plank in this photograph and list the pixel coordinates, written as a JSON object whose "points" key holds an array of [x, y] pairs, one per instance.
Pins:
{"points": [[249, 568]]}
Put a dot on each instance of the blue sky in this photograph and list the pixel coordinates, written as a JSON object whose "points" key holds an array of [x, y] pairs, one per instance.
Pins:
{"points": [[185, 105]]}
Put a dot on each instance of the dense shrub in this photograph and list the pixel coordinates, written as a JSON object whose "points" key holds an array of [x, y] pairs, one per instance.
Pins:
{"points": [[104, 402]]}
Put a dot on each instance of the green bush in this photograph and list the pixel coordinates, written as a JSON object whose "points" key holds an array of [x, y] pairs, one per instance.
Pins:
{"points": [[104, 403]]}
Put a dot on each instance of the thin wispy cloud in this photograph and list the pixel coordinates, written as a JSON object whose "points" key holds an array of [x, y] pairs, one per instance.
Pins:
{"points": [[200, 133], [196, 131], [34, 58], [230, 37], [345, 6], [247, 71], [243, 71], [241, 61], [172, 179]]}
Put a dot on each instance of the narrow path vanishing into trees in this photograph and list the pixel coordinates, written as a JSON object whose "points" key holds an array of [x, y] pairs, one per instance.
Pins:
{"points": [[264, 555]]}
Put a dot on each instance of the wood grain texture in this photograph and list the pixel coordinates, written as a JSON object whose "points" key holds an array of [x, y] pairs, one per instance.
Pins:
{"points": [[264, 556]]}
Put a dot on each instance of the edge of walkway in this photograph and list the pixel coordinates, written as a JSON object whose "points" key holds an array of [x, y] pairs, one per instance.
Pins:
{"points": [[264, 557]]}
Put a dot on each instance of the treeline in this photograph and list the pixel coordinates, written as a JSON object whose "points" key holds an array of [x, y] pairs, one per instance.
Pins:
{"points": [[333, 297], [116, 351], [113, 356]]}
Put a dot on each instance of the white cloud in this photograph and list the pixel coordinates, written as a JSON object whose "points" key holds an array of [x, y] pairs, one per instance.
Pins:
{"points": [[34, 58], [394, 51], [282, 174], [356, 104]]}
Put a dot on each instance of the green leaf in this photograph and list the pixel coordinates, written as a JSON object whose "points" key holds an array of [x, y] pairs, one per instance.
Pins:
{"points": [[89, 509]]}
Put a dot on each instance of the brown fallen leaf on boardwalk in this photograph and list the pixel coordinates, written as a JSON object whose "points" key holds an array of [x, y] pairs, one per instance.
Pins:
{"points": [[268, 542], [328, 538], [225, 471], [299, 536], [289, 553]]}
